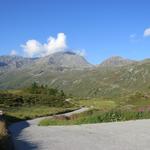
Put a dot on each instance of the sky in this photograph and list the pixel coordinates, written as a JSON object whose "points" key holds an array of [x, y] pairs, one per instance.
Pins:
{"points": [[95, 29]]}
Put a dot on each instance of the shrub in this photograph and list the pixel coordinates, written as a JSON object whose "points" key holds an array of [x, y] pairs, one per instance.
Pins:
{"points": [[38, 95]]}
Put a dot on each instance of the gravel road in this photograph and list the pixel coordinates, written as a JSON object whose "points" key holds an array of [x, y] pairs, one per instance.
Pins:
{"points": [[130, 135]]}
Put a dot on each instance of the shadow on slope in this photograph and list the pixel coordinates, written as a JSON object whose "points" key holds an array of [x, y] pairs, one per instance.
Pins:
{"points": [[16, 129]]}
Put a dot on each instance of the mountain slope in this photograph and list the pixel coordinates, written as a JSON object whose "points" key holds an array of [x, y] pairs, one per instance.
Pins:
{"points": [[14, 62], [116, 61], [86, 82], [63, 60]]}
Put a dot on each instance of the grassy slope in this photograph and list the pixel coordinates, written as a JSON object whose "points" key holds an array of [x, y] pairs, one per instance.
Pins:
{"points": [[100, 104], [106, 82], [136, 106], [23, 113]]}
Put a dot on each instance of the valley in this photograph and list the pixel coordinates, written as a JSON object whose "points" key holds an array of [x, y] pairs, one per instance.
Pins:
{"points": [[118, 89], [72, 73]]}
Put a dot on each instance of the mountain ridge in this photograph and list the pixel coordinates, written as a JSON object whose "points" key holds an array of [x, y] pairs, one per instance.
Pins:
{"points": [[60, 59], [91, 81], [116, 61]]}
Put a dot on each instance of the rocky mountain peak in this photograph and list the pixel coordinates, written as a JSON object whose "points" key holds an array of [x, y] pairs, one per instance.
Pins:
{"points": [[116, 61], [65, 59]]}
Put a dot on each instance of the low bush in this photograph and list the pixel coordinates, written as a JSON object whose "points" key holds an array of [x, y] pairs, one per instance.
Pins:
{"points": [[34, 95]]}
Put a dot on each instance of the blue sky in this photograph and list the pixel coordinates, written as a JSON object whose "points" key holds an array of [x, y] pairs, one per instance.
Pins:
{"points": [[96, 28]]}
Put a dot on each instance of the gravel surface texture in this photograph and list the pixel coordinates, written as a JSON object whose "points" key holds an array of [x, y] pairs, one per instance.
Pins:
{"points": [[129, 135]]}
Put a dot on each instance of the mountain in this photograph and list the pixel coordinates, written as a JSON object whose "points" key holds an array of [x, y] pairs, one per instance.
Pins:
{"points": [[63, 60], [73, 74], [116, 61], [59, 60], [14, 62]]}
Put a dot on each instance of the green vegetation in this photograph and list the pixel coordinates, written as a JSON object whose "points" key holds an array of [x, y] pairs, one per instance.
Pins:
{"points": [[34, 95], [112, 93], [24, 113], [40, 100], [131, 107], [100, 104], [100, 81], [96, 117], [34, 101]]}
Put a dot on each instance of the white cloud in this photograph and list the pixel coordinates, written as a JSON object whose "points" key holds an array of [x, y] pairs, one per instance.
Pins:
{"points": [[34, 48], [13, 53], [81, 52], [55, 45], [147, 32]]}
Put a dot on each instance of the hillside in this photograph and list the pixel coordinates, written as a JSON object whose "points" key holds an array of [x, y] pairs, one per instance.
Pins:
{"points": [[14, 62], [73, 74], [116, 61]]}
